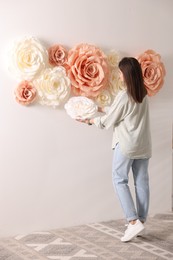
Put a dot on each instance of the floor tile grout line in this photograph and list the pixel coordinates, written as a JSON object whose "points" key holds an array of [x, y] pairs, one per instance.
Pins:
{"points": [[101, 228]]}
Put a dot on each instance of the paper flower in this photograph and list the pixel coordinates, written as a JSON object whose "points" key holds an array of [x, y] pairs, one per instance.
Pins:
{"points": [[93, 76], [57, 55], [80, 108], [153, 71], [25, 93], [53, 87], [104, 99], [113, 59], [88, 70], [115, 84], [28, 58]]}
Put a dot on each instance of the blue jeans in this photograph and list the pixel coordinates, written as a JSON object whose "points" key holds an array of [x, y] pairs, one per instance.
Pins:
{"points": [[120, 172]]}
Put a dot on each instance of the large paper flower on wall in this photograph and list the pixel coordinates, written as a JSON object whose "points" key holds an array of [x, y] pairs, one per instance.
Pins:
{"points": [[53, 87], [28, 58], [25, 93], [88, 70], [80, 107], [153, 71]]}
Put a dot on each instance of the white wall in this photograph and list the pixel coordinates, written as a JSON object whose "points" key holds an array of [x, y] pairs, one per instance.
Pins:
{"points": [[55, 172]]}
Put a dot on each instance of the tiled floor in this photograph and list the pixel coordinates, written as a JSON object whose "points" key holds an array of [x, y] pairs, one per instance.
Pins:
{"points": [[93, 241]]}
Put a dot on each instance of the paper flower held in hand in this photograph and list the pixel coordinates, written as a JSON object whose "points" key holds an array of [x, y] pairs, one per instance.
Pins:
{"points": [[80, 108], [57, 56], [153, 71], [53, 86], [88, 70], [25, 93], [28, 58]]}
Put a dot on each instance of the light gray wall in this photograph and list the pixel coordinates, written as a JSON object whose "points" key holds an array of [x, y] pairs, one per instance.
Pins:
{"points": [[55, 172]]}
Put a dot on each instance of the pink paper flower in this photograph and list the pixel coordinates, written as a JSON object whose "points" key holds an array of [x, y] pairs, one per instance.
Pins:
{"points": [[57, 56], [153, 71], [25, 93], [88, 70]]}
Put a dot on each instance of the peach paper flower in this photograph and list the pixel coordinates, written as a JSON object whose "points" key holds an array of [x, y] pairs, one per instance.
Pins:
{"points": [[88, 70], [153, 71], [25, 93], [57, 55]]}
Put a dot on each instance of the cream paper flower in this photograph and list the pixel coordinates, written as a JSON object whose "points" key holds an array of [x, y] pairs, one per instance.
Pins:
{"points": [[113, 59], [28, 58], [81, 107], [115, 84], [104, 99], [53, 87]]}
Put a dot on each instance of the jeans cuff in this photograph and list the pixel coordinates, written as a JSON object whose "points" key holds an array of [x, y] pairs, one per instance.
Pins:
{"points": [[132, 218]]}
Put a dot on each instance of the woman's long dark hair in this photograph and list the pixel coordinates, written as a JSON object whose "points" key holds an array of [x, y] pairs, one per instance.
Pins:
{"points": [[133, 78]]}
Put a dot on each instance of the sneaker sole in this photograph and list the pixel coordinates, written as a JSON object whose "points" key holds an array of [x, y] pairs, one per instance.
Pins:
{"points": [[132, 236]]}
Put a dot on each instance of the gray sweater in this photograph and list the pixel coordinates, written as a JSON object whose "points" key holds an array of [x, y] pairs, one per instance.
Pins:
{"points": [[131, 126]]}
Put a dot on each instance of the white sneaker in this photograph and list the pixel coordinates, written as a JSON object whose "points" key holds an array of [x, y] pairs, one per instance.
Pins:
{"points": [[132, 231]]}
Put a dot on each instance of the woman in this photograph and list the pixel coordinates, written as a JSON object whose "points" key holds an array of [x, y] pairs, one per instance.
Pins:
{"points": [[129, 117]]}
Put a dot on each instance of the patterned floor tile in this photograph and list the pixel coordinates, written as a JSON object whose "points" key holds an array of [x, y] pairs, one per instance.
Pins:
{"points": [[100, 241]]}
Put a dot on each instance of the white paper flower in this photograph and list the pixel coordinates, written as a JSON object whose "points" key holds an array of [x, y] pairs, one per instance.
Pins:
{"points": [[28, 58], [104, 99], [53, 87], [81, 107], [113, 59], [115, 84]]}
